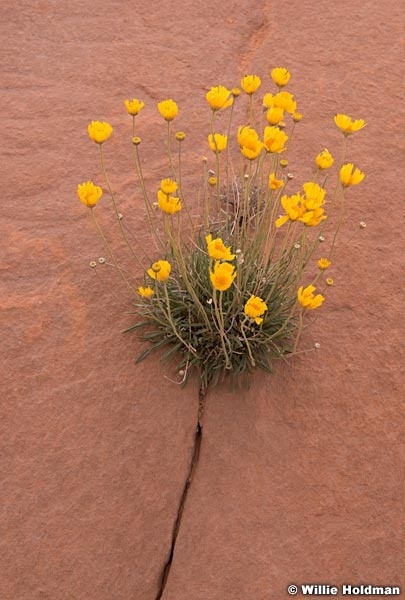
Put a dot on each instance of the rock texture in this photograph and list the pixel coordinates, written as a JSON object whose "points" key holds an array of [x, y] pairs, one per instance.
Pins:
{"points": [[299, 479]]}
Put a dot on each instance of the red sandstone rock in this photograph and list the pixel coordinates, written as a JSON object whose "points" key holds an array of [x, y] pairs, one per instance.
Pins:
{"points": [[299, 478]]}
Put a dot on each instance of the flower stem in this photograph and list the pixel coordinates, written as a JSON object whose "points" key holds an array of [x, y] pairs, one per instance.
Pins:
{"points": [[109, 250]]}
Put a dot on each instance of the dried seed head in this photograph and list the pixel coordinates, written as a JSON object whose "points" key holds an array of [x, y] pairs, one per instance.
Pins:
{"points": [[101, 260], [362, 225], [321, 238], [317, 345], [93, 264]]}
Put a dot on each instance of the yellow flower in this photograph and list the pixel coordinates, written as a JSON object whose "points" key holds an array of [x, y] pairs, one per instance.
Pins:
{"points": [[235, 92], [324, 263], [274, 139], [314, 195], [274, 115], [297, 117], [180, 136], [307, 299], [347, 125], [89, 194], [280, 76], [250, 83], [255, 307], [222, 276], [160, 270], [248, 140], [350, 176], [324, 160], [217, 142], [217, 249], [99, 131], [268, 100], [253, 152], [168, 109], [275, 184], [294, 208], [219, 97], [168, 204], [134, 106], [286, 101], [312, 218], [168, 186], [247, 137], [145, 292]]}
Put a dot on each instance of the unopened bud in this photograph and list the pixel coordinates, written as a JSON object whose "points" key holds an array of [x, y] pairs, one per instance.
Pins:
{"points": [[136, 141]]}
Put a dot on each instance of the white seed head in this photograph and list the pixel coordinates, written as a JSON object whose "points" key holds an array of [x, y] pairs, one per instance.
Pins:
{"points": [[101, 260], [209, 301], [362, 225], [297, 246], [120, 216], [317, 345], [93, 264], [321, 238]]}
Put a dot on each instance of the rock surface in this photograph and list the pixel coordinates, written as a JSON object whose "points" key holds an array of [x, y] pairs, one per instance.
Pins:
{"points": [[299, 478]]}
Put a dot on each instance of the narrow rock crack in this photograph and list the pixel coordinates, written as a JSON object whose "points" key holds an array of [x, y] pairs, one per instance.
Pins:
{"points": [[193, 465]]}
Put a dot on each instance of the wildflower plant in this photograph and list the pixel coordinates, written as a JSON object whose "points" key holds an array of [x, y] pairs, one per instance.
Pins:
{"points": [[234, 278]]}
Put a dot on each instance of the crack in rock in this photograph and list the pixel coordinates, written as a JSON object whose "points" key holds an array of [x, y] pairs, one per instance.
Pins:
{"points": [[193, 465]]}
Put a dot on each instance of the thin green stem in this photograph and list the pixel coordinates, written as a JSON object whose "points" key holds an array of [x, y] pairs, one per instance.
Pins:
{"points": [[109, 250], [117, 214]]}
